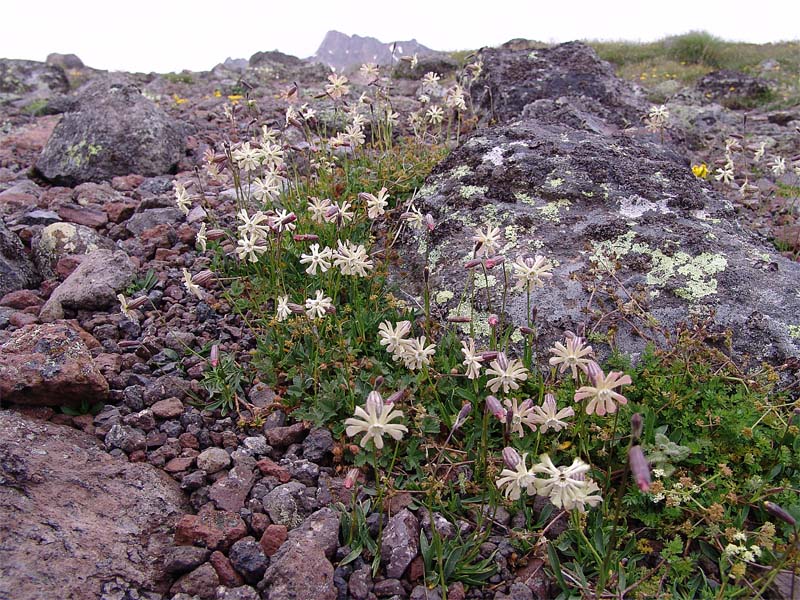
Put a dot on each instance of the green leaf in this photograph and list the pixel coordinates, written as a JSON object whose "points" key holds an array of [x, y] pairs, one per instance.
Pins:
{"points": [[555, 565]]}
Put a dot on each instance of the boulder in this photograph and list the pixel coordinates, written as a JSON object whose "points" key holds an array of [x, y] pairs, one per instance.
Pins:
{"points": [[621, 217], [49, 365], [65, 61], [734, 89], [73, 518], [513, 79], [16, 269], [113, 130], [59, 240], [30, 80], [400, 543], [94, 284]]}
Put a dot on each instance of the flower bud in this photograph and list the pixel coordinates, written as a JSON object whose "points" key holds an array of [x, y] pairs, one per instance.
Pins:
{"points": [[203, 277], [374, 403], [429, 222], [215, 234], [213, 357], [502, 361], [594, 372], [779, 513], [351, 479], [378, 381], [493, 406], [138, 302], [296, 308], [527, 330], [636, 426], [492, 262], [471, 264], [305, 237], [639, 468], [457, 319], [494, 320], [462, 415], [511, 457], [396, 397], [488, 355]]}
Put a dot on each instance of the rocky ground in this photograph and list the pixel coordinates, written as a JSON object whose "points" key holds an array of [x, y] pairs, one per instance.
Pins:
{"points": [[148, 496]]}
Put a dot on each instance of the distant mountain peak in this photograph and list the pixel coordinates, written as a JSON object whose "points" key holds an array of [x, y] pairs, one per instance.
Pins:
{"points": [[341, 51]]}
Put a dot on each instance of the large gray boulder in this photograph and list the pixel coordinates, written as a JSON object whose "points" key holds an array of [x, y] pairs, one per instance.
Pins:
{"points": [[112, 130], [638, 243], [16, 268], [30, 80], [76, 522]]}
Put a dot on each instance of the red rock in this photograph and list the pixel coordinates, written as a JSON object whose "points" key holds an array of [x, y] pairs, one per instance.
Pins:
{"points": [[166, 254], [187, 234], [282, 437], [230, 492], [259, 523], [138, 456], [188, 440], [43, 413], [212, 529], [127, 183], [55, 196], [20, 319], [66, 265], [168, 408], [84, 422], [83, 215], [120, 211], [416, 570], [227, 574], [269, 467], [11, 201], [273, 537], [202, 582], [177, 465], [109, 364], [21, 299], [160, 236], [62, 419], [31, 310]]}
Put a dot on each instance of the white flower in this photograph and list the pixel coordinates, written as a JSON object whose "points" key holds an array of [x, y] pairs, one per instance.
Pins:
{"points": [[252, 226], [190, 285], [435, 115], [267, 188], [271, 156], [376, 205], [317, 259], [759, 153], [547, 416], [369, 71], [392, 118], [352, 259], [512, 482], [486, 242], [182, 199], [471, 360], [248, 247], [521, 414], [343, 211], [657, 117], [531, 272], [318, 208], [283, 310], [778, 166], [318, 307], [374, 420], [355, 135], [246, 158], [725, 174], [424, 98], [283, 221], [307, 112], [507, 372], [578, 498], [563, 484], [602, 394], [415, 354], [430, 81], [572, 356], [201, 238], [337, 87], [393, 337]]}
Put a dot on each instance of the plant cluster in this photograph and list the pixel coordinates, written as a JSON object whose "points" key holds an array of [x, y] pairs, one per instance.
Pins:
{"points": [[642, 481]]}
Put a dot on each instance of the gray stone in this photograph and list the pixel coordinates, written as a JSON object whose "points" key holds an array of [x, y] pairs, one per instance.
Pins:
{"points": [[182, 559], [212, 460], [73, 518], [59, 240], [147, 219], [17, 271], [318, 446], [229, 493], [249, 559], [301, 568], [421, 592], [257, 445], [113, 130], [244, 592], [360, 583], [127, 439], [287, 504], [400, 543], [202, 583], [93, 285], [30, 80], [388, 587]]}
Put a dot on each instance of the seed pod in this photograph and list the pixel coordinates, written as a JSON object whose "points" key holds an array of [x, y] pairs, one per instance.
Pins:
{"points": [[462, 416], [493, 405], [511, 457]]}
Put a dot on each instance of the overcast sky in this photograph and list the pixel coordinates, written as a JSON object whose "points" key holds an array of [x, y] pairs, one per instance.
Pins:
{"points": [[170, 35]]}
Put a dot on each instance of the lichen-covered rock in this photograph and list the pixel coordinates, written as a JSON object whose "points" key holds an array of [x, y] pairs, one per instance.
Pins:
{"points": [[74, 519], [733, 88], [400, 543], [16, 269], [30, 80], [514, 79], [59, 240], [49, 365], [112, 130], [95, 283]]}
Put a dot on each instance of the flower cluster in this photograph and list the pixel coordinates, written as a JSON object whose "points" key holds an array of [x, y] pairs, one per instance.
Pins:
{"points": [[413, 353]]}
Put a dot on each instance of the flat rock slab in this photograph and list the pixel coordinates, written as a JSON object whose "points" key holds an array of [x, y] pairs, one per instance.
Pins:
{"points": [[73, 518], [49, 365]]}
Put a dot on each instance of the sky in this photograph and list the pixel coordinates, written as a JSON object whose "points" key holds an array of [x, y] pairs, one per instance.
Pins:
{"points": [[171, 35]]}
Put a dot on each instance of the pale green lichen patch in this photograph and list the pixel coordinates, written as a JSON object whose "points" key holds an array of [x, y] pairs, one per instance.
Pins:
{"points": [[426, 191], [696, 272], [460, 171], [794, 331], [524, 198], [478, 327], [485, 281], [443, 296], [82, 152], [494, 156], [468, 191], [552, 210], [635, 206], [555, 182]]}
